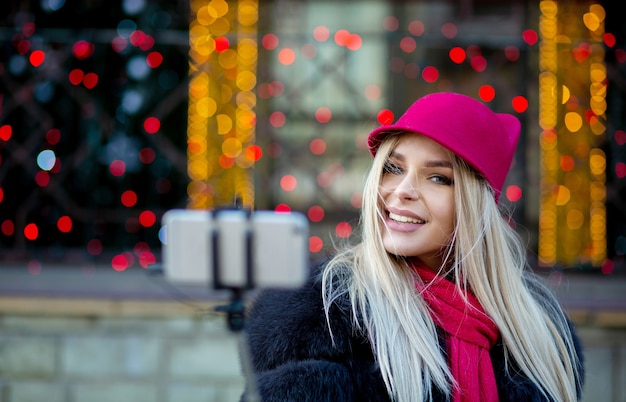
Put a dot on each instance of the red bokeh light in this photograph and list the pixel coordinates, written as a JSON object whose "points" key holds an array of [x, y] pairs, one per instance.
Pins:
{"points": [[315, 244], [120, 262], [64, 224], [390, 23], [449, 30], [147, 43], [31, 231], [270, 41], [7, 228], [137, 37], [278, 119], [354, 42], [609, 39], [154, 59], [567, 163], [282, 209], [430, 74], [23, 46], [37, 58], [608, 266], [221, 44], [341, 37], [408, 44], [146, 259], [343, 230], [315, 213], [321, 33], [530, 36], [416, 28], [147, 155], [457, 54], [385, 116], [288, 182], [486, 93], [152, 125], [323, 114], [317, 146], [479, 63], [90, 80], [42, 178], [117, 168], [6, 132], [83, 49], [53, 136], [511, 53], [94, 247], [147, 219], [119, 44], [513, 193], [129, 198], [520, 104], [287, 56], [76, 76], [225, 162], [254, 153], [140, 248], [28, 29]]}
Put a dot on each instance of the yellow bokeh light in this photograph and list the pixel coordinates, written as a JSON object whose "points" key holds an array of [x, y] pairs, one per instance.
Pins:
{"points": [[591, 20], [246, 80], [597, 162], [206, 107], [224, 124], [562, 195], [217, 8], [575, 219], [573, 121], [566, 94], [232, 147]]}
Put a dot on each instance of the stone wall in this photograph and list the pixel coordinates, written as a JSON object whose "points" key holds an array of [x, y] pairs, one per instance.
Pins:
{"points": [[116, 356]]}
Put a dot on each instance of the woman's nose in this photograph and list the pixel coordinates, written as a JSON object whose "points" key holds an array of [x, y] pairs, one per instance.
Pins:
{"points": [[407, 188]]}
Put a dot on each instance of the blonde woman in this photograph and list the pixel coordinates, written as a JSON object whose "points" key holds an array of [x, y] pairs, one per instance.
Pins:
{"points": [[435, 303]]}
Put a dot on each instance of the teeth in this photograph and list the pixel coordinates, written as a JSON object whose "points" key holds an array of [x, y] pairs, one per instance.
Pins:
{"points": [[403, 219]]}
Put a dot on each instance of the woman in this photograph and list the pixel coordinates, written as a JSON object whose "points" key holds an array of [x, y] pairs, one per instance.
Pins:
{"points": [[435, 301]]}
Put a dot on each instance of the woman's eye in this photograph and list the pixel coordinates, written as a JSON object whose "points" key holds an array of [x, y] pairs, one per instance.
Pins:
{"points": [[441, 179], [392, 168]]}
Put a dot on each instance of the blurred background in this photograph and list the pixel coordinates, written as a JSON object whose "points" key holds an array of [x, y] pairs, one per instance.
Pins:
{"points": [[113, 112]]}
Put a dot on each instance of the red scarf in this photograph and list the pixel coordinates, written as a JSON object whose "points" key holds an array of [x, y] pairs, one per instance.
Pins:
{"points": [[470, 333]]}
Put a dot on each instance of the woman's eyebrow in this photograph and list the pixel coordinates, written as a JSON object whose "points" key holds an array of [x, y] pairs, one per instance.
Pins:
{"points": [[439, 163], [395, 155]]}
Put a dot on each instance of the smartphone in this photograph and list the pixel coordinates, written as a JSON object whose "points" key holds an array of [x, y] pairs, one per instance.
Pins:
{"points": [[235, 248]]}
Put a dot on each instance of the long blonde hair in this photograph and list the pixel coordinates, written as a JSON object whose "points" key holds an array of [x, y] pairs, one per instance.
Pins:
{"points": [[485, 255]]}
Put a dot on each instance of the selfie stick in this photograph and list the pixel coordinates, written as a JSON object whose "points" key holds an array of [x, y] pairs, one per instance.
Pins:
{"points": [[235, 310]]}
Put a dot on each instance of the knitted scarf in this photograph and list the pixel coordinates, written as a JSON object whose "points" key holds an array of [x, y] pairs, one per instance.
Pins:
{"points": [[469, 333]]}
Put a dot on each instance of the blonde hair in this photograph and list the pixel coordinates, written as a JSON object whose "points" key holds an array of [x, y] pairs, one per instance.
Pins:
{"points": [[485, 255]]}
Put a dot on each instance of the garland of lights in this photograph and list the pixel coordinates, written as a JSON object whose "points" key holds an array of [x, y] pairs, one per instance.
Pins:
{"points": [[572, 91], [221, 117]]}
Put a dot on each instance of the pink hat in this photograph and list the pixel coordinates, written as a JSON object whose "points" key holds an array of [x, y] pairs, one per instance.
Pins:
{"points": [[484, 139]]}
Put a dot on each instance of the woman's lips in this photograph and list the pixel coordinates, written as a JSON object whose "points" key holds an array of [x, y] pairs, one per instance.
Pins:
{"points": [[403, 222]]}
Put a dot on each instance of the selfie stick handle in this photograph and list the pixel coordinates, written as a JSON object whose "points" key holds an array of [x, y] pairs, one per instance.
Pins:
{"points": [[235, 311]]}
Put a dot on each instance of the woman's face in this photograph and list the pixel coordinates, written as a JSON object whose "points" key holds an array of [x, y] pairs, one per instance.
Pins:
{"points": [[417, 194]]}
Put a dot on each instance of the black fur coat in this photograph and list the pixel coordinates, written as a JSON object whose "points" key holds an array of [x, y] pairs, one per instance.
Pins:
{"points": [[293, 359]]}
